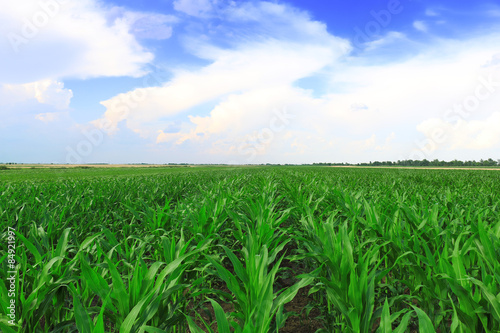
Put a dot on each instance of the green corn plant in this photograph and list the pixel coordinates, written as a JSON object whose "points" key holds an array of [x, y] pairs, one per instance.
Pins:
{"points": [[209, 219], [43, 290], [251, 284], [156, 219], [349, 284], [149, 296], [387, 320], [134, 303]]}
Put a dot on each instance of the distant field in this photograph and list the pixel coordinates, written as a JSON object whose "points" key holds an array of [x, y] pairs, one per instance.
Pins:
{"points": [[65, 166], [64, 172], [419, 167], [257, 249]]}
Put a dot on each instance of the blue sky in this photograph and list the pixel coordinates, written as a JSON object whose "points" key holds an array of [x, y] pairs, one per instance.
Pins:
{"points": [[219, 81]]}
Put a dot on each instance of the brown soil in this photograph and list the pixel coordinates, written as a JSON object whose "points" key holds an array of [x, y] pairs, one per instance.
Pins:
{"points": [[301, 322]]}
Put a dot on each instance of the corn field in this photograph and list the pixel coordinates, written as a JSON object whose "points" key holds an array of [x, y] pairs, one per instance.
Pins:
{"points": [[253, 250]]}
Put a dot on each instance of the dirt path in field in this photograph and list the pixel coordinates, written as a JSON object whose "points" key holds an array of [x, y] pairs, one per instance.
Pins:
{"points": [[423, 168]]}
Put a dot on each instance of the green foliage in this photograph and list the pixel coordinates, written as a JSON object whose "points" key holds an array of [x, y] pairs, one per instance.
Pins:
{"points": [[156, 249]]}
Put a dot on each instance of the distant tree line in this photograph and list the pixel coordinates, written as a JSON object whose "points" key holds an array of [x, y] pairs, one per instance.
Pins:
{"points": [[455, 163]]}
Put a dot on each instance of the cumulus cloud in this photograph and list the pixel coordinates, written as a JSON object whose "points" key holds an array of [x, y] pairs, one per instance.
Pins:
{"points": [[48, 92], [474, 134], [240, 115], [61, 39], [223, 107], [265, 62]]}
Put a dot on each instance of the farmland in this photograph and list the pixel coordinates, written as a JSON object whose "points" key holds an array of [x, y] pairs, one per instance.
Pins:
{"points": [[252, 249]]}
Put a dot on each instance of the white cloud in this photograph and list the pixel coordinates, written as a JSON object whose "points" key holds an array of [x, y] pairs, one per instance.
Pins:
{"points": [[474, 134], [298, 147], [391, 37], [387, 144], [268, 64], [366, 144], [420, 26], [263, 64], [144, 25], [493, 61], [48, 92], [67, 39], [254, 75], [371, 144], [51, 92], [242, 114], [48, 116]]}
